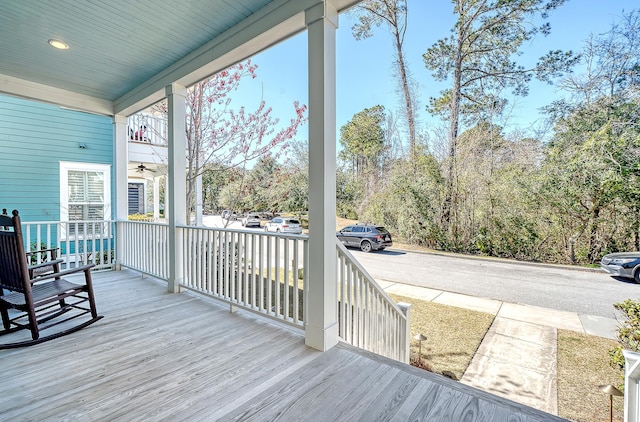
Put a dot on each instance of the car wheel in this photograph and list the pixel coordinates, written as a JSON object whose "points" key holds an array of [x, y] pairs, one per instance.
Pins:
{"points": [[636, 276], [365, 246]]}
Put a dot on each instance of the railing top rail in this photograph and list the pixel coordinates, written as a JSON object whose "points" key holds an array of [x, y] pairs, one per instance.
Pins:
{"points": [[345, 252], [65, 222], [231, 230], [148, 223]]}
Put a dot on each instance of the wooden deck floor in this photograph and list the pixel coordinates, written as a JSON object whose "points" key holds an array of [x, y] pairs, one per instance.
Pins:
{"points": [[158, 356]]}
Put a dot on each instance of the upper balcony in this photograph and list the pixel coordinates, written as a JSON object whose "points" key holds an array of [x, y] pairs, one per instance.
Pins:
{"points": [[147, 141], [147, 129]]}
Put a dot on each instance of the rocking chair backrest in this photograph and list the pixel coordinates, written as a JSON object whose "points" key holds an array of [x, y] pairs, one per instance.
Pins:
{"points": [[14, 274]]}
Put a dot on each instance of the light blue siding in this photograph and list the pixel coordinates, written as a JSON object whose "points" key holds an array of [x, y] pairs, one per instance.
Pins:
{"points": [[34, 138]]}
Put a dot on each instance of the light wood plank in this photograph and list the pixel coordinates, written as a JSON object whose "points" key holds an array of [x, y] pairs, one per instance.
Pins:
{"points": [[161, 356]]}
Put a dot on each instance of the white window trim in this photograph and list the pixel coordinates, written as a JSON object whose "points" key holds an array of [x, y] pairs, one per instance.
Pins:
{"points": [[65, 167]]}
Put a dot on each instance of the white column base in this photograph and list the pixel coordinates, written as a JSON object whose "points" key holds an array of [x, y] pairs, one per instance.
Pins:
{"points": [[321, 338]]}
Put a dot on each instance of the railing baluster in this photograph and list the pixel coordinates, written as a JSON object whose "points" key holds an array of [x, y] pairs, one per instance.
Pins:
{"points": [[261, 270], [296, 287], [268, 278], [285, 279]]}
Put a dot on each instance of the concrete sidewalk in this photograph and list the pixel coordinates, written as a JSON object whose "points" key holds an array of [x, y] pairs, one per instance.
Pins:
{"points": [[517, 357]]}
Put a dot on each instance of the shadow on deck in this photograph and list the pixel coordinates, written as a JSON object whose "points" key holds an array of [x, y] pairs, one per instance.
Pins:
{"points": [[161, 356]]}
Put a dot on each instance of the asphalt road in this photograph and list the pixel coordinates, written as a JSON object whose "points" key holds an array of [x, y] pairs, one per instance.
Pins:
{"points": [[556, 287]]}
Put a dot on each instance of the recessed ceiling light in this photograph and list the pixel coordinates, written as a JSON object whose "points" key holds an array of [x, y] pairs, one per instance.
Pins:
{"points": [[61, 45]]}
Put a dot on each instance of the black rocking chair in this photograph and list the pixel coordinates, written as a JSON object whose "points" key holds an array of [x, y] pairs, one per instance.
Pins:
{"points": [[38, 297]]}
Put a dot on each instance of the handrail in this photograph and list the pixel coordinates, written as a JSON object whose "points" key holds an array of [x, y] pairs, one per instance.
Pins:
{"points": [[367, 317]]}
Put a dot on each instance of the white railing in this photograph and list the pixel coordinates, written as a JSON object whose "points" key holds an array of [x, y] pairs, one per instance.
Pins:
{"points": [[631, 385], [147, 129], [145, 247], [78, 242], [261, 272], [367, 317]]}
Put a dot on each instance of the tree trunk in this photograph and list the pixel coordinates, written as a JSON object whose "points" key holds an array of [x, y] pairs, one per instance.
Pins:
{"points": [[408, 102], [453, 132], [593, 235]]}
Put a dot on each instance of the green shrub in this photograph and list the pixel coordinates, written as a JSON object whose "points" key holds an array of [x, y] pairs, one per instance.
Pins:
{"points": [[44, 256], [628, 331]]}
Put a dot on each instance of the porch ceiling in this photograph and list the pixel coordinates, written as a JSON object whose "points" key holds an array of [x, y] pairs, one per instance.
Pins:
{"points": [[123, 52]]}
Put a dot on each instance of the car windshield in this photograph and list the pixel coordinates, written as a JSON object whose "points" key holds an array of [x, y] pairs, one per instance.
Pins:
{"points": [[253, 216], [382, 230]]}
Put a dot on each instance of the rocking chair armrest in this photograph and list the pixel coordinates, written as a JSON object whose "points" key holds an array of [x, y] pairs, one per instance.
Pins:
{"points": [[65, 272], [45, 264], [42, 250]]}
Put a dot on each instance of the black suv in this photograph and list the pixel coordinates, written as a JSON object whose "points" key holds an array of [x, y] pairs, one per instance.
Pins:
{"points": [[367, 237]]}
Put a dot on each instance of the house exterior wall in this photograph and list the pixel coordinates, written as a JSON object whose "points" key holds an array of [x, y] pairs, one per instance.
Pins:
{"points": [[34, 138]]}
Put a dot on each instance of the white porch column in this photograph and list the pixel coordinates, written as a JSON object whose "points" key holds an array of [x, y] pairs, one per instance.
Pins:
{"points": [[199, 200], [120, 164], [177, 182], [166, 197], [156, 198], [321, 327]]}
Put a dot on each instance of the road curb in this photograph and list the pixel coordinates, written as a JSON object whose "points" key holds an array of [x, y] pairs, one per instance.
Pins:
{"points": [[497, 259]]}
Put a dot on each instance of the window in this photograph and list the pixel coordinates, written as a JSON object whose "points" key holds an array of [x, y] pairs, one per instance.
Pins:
{"points": [[136, 198], [358, 229], [85, 194]]}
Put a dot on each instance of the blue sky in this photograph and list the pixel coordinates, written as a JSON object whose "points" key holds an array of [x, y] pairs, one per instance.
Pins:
{"points": [[364, 68]]}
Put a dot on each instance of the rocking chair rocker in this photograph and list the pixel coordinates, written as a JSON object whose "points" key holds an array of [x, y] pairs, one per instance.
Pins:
{"points": [[37, 300]]}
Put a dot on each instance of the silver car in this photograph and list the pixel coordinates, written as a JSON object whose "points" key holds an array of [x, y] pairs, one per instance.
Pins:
{"points": [[622, 264], [288, 225]]}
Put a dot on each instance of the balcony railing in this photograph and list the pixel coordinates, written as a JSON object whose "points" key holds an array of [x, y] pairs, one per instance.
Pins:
{"points": [[147, 129], [266, 273]]}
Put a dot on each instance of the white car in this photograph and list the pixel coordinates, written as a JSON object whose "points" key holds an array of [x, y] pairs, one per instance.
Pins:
{"points": [[228, 215], [288, 225], [251, 220]]}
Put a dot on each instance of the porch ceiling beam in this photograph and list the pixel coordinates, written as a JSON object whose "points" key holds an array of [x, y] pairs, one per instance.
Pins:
{"points": [[45, 93]]}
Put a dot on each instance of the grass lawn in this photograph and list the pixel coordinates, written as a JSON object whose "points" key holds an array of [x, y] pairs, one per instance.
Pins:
{"points": [[583, 365], [453, 334]]}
